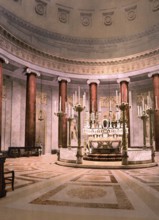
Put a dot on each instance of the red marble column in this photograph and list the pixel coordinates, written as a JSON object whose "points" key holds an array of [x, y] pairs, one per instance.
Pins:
{"points": [[155, 78], [63, 122], [93, 106], [2, 60], [30, 119], [124, 90]]}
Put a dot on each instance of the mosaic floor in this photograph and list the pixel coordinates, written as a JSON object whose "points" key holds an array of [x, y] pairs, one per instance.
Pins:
{"points": [[44, 190]]}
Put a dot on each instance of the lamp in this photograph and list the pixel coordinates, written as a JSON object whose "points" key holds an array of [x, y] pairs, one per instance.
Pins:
{"points": [[41, 118]]}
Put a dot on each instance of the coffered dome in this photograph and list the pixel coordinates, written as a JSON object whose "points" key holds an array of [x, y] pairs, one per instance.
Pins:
{"points": [[83, 37]]}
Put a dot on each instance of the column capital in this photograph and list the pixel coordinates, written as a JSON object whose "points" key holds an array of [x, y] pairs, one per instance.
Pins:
{"points": [[89, 81], [3, 59], [63, 78], [153, 74], [29, 70], [123, 80]]}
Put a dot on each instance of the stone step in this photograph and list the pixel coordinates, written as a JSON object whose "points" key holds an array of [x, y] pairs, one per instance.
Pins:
{"points": [[103, 157]]}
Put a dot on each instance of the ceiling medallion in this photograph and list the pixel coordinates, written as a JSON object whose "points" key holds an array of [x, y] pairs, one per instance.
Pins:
{"points": [[86, 19], [63, 15], [155, 5], [131, 13], [40, 8], [108, 18]]}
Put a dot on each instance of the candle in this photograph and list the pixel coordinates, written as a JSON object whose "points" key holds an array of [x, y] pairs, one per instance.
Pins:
{"points": [[110, 105], [69, 110], [99, 106], [138, 110], [119, 96], [143, 104], [116, 116], [130, 98], [56, 107], [72, 112], [75, 97], [156, 103], [79, 95], [84, 99], [117, 101], [73, 100], [60, 105]]}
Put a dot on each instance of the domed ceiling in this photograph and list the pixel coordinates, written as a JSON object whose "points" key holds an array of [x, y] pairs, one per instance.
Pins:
{"points": [[82, 36]]}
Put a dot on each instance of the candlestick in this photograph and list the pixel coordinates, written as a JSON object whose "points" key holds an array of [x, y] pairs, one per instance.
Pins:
{"points": [[156, 103], [110, 106], [117, 101], [73, 100], [79, 95], [78, 108]]}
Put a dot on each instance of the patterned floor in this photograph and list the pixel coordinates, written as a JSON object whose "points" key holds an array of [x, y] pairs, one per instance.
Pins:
{"points": [[44, 190]]}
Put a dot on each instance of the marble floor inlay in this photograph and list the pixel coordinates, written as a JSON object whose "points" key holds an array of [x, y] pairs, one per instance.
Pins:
{"points": [[45, 190]]}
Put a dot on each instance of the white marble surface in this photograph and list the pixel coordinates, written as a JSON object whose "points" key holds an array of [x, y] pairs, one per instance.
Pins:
{"points": [[139, 155], [67, 154]]}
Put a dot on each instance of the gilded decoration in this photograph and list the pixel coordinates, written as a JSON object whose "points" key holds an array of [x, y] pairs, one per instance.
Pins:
{"points": [[41, 98]]}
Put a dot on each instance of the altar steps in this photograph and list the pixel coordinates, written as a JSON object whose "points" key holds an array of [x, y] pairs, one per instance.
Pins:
{"points": [[103, 157]]}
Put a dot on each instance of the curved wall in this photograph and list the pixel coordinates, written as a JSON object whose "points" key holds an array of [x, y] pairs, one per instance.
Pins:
{"points": [[88, 30]]}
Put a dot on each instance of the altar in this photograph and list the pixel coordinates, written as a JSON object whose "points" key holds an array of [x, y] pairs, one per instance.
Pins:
{"points": [[104, 145]]}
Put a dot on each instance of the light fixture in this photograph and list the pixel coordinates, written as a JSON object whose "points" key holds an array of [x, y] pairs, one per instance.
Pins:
{"points": [[40, 118]]}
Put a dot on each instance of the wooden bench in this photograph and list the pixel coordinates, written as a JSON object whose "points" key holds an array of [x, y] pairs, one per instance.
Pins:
{"points": [[24, 151]]}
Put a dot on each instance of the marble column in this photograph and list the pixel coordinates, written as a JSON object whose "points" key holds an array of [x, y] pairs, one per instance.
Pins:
{"points": [[155, 78], [93, 106], [63, 122], [124, 90], [2, 60], [30, 118]]}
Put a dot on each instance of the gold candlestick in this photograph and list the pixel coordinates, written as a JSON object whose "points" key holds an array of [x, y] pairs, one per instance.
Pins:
{"points": [[78, 108], [70, 119], [144, 117], [124, 107]]}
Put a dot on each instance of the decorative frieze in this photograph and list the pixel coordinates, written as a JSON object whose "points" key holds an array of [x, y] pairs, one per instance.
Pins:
{"points": [[40, 7]]}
